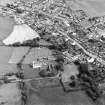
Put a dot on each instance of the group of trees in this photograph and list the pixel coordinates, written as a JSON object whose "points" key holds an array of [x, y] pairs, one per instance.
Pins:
{"points": [[87, 80], [30, 43], [15, 7]]}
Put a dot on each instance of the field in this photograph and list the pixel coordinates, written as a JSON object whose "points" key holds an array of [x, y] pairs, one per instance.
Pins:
{"points": [[5, 54], [10, 94], [55, 96], [92, 7], [29, 73], [7, 91], [18, 53], [6, 27], [9, 56]]}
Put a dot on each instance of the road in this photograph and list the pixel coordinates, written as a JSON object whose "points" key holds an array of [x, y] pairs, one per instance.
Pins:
{"points": [[79, 45], [74, 40], [85, 51]]}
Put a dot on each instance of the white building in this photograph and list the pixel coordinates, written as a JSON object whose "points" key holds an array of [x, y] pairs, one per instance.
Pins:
{"points": [[91, 60], [37, 64]]}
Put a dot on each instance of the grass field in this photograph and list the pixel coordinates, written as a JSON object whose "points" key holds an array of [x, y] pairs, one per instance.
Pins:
{"points": [[18, 53], [29, 73], [5, 54], [55, 96], [92, 7], [44, 96], [6, 27], [10, 94]]}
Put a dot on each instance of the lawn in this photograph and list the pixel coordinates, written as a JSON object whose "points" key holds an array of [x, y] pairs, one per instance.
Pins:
{"points": [[92, 7], [18, 53], [55, 96], [5, 54], [10, 94], [6, 27]]}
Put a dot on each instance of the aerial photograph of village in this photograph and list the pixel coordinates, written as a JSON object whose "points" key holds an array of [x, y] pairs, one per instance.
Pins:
{"points": [[52, 52]]}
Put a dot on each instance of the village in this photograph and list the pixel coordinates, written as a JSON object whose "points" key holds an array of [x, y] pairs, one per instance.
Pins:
{"points": [[53, 49]]}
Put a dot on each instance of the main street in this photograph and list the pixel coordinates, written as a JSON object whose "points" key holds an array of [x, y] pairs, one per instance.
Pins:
{"points": [[85, 51], [74, 40]]}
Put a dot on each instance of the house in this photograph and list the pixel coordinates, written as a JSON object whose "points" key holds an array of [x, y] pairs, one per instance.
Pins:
{"points": [[37, 64]]}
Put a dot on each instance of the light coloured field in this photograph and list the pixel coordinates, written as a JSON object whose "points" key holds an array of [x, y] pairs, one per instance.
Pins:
{"points": [[6, 27], [92, 7], [20, 34], [10, 94], [7, 68], [5, 54], [45, 96], [18, 53], [30, 73]]}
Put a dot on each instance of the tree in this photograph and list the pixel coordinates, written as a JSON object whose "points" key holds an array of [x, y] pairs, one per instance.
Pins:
{"points": [[19, 10]]}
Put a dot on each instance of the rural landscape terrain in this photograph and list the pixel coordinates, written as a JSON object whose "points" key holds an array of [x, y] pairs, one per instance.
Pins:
{"points": [[52, 52]]}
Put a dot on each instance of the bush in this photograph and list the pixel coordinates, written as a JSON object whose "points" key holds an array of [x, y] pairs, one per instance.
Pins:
{"points": [[19, 11]]}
